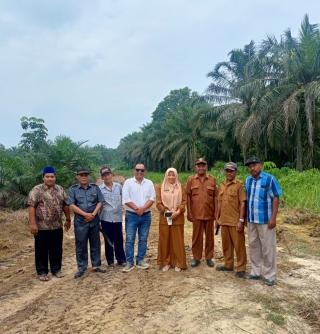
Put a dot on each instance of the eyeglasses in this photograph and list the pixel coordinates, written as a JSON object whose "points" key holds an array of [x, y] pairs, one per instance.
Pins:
{"points": [[139, 170], [106, 174], [83, 175]]}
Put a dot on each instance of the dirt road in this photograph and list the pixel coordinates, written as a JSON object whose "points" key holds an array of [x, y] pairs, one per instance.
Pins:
{"points": [[199, 300]]}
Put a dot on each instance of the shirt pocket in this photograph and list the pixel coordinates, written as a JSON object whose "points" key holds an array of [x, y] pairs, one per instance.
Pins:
{"points": [[81, 199], [92, 198], [211, 191], [195, 191], [233, 196]]}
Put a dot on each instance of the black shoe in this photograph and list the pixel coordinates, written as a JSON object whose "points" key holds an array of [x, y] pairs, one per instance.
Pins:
{"points": [[210, 263], [79, 274], [122, 264], [223, 268], [195, 263], [99, 270], [255, 277], [240, 274]]}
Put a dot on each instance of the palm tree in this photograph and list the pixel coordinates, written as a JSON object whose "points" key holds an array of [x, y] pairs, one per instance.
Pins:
{"points": [[293, 101]]}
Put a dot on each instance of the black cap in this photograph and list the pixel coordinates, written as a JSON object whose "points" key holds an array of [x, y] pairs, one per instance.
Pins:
{"points": [[81, 170], [201, 161], [252, 160]]}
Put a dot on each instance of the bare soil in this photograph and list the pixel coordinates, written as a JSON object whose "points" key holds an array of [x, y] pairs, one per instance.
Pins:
{"points": [[198, 300]]}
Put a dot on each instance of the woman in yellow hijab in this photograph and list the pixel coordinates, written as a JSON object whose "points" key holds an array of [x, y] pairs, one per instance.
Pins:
{"points": [[171, 202]]}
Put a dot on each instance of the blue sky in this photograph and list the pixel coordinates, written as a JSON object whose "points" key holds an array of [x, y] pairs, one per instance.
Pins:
{"points": [[96, 70]]}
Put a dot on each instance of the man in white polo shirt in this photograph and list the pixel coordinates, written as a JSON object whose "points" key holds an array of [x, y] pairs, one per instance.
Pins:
{"points": [[138, 195]]}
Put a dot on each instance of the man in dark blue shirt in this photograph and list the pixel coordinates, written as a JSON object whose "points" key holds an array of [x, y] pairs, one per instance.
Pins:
{"points": [[85, 200]]}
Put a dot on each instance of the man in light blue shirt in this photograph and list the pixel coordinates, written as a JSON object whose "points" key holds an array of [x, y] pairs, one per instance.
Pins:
{"points": [[263, 192], [111, 218]]}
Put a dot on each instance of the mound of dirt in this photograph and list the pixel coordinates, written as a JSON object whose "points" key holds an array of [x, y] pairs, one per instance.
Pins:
{"points": [[316, 231], [14, 232], [301, 218]]}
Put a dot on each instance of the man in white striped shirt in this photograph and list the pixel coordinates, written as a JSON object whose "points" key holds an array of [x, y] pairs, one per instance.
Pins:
{"points": [[138, 195]]}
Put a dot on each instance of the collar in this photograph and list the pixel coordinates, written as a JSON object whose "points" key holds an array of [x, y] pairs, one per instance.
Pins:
{"points": [[260, 176], [80, 186], [198, 177], [105, 186], [226, 182], [136, 181], [46, 187]]}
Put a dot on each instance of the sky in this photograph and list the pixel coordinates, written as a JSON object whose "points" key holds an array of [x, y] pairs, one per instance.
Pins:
{"points": [[96, 70]]}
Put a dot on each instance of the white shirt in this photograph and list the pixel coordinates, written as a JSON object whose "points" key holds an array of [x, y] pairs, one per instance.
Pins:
{"points": [[138, 193]]}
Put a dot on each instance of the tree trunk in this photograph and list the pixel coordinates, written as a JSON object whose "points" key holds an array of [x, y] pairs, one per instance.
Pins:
{"points": [[299, 164]]}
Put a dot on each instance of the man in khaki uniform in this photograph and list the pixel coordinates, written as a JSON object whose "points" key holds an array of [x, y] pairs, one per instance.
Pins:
{"points": [[201, 203], [231, 213]]}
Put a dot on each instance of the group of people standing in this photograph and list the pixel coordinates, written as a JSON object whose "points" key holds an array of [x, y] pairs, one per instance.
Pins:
{"points": [[99, 209]]}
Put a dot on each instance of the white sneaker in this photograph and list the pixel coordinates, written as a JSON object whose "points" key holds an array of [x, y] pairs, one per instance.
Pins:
{"points": [[177, 269], [166, 268], [143, 265], [128, 268]]}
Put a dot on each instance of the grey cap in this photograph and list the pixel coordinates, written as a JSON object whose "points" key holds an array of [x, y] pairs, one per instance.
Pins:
{"points": [[252, 160], [105, 170], [230, 166]]}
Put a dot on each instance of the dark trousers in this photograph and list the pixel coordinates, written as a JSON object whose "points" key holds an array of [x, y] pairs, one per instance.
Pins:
{"points": [[85, 232], [48, 245], [113, 241]]}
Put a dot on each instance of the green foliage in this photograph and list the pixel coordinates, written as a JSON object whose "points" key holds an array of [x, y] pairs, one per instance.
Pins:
{"points": [[21, 167], [268, 165], [300, 189], [35, 133], [263, 100]]}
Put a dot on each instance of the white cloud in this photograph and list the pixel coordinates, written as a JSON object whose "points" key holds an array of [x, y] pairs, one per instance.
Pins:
{"points": [[97, 69]]}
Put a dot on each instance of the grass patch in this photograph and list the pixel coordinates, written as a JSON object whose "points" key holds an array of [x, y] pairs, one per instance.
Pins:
{"points": [[309, 310], [297, 240], [275, 312], [276, 318]]}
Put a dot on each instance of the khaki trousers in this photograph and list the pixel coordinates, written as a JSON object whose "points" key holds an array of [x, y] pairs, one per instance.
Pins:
{"points": [[201, 227], [263, 251], [232, 241]]}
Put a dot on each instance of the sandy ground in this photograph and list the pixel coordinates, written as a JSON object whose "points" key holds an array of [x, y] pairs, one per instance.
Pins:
{"points": [[198, 300]]}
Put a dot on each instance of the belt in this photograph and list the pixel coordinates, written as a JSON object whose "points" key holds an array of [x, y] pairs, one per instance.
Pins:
{"points": [[145, 213]]}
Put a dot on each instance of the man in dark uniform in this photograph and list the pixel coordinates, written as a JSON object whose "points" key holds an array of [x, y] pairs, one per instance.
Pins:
{"points": [[85, 200]]}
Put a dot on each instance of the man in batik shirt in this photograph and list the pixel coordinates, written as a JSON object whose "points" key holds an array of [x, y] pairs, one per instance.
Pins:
{"points": [[47, 203]]}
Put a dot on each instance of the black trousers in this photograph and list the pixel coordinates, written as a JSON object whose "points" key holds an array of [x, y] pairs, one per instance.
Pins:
{"points": [[48, 245], [87, 232], [113, 241]]}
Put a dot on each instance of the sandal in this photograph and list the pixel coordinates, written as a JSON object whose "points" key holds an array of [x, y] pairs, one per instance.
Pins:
{"points": [[166, 268], [43, 278], [58, 274]]}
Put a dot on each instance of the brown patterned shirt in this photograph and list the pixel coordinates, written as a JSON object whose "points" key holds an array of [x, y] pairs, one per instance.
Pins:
{"points": [[48, 203]]}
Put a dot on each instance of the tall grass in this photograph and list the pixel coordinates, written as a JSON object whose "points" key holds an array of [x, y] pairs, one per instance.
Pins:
{"points": [[301, 189]]}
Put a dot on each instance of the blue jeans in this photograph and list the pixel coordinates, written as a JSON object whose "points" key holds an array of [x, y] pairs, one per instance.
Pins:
{"points": [[84, 233], [142, 224]]}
